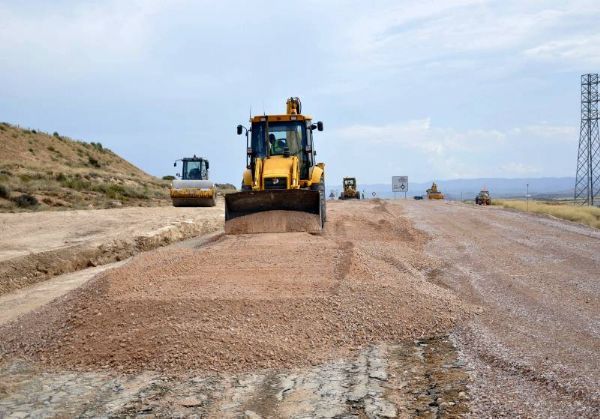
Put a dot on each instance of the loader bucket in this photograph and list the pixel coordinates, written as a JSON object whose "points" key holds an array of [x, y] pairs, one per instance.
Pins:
{"points": [[273, 211]]}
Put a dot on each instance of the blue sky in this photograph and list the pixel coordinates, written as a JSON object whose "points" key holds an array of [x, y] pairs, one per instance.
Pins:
{"points": [[428, 89]]}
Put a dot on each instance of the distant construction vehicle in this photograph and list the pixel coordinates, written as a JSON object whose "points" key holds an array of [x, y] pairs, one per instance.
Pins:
{"points": [[193, 189], [282, 172], [350, 190], [434, 193], [483, 198]]}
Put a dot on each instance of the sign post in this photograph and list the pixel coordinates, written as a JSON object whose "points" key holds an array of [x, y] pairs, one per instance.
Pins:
{"points": [[400, 184]]}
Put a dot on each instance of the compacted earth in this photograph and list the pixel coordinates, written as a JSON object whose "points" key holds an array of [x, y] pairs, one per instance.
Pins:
{"points": [[395, 309], [36, 246]]}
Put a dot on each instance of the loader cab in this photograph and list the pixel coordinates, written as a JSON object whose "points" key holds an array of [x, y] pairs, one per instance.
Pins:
{"points": [[194, 168], [282, 136]]}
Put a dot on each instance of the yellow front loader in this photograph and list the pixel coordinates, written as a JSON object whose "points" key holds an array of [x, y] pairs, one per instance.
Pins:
{"points": [[282, 172]]}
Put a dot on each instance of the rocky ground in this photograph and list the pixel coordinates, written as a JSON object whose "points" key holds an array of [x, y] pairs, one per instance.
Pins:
{"points": [[398, 308]]}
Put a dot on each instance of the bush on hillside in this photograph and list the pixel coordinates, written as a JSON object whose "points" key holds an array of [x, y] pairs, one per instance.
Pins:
{"points": [[4, 192], [26, 201], [94, 162], [168, 177]]}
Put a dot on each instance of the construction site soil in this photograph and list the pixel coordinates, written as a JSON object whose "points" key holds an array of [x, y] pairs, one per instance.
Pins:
{"points": [[247, 302], [37, 246], [397, 309]]}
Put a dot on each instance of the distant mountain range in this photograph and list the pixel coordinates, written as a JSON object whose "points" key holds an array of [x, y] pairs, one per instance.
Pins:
{"points": [[548, 187]]}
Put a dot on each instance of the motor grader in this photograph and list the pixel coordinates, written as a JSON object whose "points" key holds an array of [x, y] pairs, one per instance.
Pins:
{"points": [[193, 189], [282, 173], [350, 189], [434, 193]]}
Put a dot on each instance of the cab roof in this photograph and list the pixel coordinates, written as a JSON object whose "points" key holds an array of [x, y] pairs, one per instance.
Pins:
{"points": [[280, 118]]}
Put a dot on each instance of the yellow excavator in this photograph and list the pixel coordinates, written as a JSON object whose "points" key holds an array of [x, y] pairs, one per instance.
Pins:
{"points": [[282, 173]]}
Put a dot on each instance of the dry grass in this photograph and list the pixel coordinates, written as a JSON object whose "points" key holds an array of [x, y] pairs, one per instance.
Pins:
{"points": [[580, 214]]}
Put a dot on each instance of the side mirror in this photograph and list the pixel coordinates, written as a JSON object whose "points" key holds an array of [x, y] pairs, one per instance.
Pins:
{"points": [[178, 175], [315, 152], [239, 130], [175, 164], [249, 151], [320, 126], [207, 165], [312, 127]]}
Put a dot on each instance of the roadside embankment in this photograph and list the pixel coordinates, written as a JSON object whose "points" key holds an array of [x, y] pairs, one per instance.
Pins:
{"points": [[38, 246]]}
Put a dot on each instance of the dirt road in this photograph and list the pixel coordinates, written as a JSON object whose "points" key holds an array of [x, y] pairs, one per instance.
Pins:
{"points": [[39, 245], [398, 309], [535, 350]]}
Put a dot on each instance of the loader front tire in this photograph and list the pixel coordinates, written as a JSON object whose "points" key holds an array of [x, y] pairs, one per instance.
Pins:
{"points": [[320, 187]]}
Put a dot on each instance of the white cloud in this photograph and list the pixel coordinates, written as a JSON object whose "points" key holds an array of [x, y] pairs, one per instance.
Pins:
{"points": [[520, 169], [84, 34], [571, 51], [405, 35], [427, 151], [420, 135], [548, 133]]}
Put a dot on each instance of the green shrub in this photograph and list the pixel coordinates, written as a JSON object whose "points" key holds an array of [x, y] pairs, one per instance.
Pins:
{"points": [[76, 183], [31, 151], [56, 134], [97, 146], [50, 148], [114, 191], [4, 192], [168, 177], [26, 201]]}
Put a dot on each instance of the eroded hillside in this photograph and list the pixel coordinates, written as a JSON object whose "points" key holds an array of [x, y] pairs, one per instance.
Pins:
{"points": [[43, 171]]}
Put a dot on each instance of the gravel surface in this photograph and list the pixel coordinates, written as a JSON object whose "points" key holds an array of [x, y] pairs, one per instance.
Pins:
{"points": [[535, 350], [398, 308], [248, 301]]}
